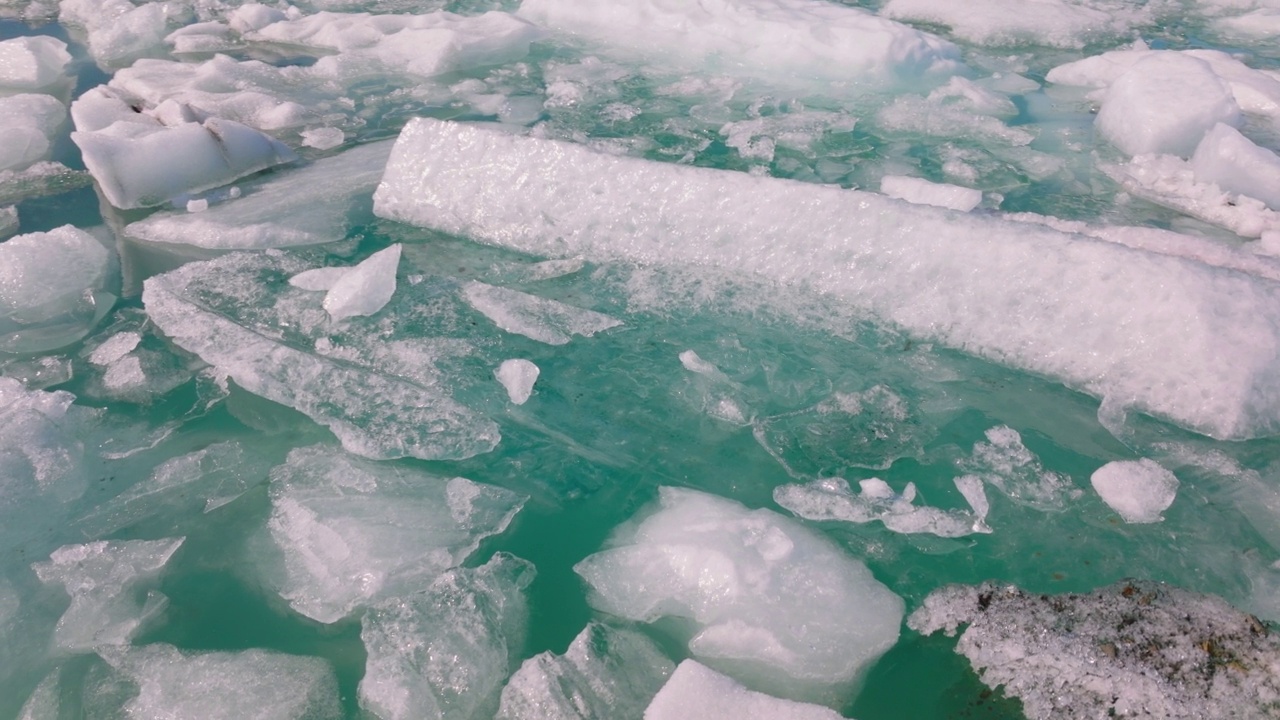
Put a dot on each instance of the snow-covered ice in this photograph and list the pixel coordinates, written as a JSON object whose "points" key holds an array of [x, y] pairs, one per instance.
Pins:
{"points": [[1056, 23], [1139, 490]]}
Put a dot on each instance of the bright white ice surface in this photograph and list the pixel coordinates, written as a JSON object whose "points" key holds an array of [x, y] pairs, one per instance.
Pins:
{"points": [[697, 691], [1139, 490]]}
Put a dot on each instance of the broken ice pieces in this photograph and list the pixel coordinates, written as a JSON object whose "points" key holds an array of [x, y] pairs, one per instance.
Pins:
{"points": [[106, 582], [42, 310], [1139, 490], [697, 691], [260, 684], [606, 672], [832, 499], [518, 377], [42, 451], [350, 532], [1006, 464], [536, 318], [774, 604], [142, 159], [128, 362], [1135, 649], [366, 288], [442, 650]]}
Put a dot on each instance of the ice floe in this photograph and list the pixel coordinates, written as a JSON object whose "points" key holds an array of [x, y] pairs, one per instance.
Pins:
{"points": [[517, 377], [35, 63]]}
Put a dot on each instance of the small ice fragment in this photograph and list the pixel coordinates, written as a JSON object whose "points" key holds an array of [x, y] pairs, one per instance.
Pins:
{"points": [[32, 63], [29, 124], [325, 138], [923, 192], [694, 363], [195, 206], [518, 377], [9, 223], [367, 288], [972, 489], [1139, 490], [319, 279], [696, 691]]}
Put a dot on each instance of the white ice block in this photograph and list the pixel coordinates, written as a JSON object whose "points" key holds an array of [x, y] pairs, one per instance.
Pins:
{"points": [[33, 63], [517, 377], [40, 310], [28, 123], [1236, 164], [366, 288], [1139, 490], [697, 691], [1166, 335]]}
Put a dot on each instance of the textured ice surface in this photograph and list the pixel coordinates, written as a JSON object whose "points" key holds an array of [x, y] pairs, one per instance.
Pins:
{"points": [[111, 585], [1136, 649], [537, 318], [1099, 317], [129, 362], [351, 532], [366, 288], [795, 40], [517, 377], [262, 684], [29, 123], [1165, 103], [42, 310], [33, 63], [1006, 464], [1137, 489], [605, 672], [833, 499], [1056, 23], [697, 691], [763, 598], [381, 394], [444, 650], [148, 159], [118, 30], [1234, 163], [923, 192], [306, 206]]}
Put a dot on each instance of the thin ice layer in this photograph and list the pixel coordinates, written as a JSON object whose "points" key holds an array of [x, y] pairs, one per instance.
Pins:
{"points": [[770, 602], [444, 650], [1135, 649], [1109, 320], [788, 39], [260, 684], [307, 206], [606, 672], [697, 691], [381, 393], [351, 532]]}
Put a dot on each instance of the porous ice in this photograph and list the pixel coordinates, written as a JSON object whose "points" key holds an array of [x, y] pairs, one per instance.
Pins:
{"points": [[695, 690], [774, 604], [1134, 649], [1139, 490]]}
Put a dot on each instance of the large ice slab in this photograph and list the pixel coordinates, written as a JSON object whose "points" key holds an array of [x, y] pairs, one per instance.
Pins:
{"points": [[261, 684], [1056, 23], [111, 585], [40, 310], [696, 690], [29, 124], [33, 63], [605, 672], [351, 532], [1135, 649], [307, 206], [1110, 320], [763, 598], [383, 396], [443, 651], [795, 40]]}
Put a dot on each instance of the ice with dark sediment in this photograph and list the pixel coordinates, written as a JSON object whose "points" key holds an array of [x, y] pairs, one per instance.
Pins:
{"points": [[1134, 649], [41, 312], [349, 533], [695, 690], [756, 595], [443, 650], [605, 672]]}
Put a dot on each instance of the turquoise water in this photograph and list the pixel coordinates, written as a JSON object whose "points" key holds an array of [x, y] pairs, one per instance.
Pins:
{"points": [[615, 416]]}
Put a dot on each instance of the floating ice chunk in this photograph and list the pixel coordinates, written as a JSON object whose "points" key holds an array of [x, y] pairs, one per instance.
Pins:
{"points": [[120, 30], [1165, 103], [202, 37], [784, 39], [1056, 23], [367, 288], [923, 192], [352, 532], [307, 206], [325, 138], [253, 16], [717, 394], [40, 311], [1261, 24], [773, 603], [537, 318], [105, 581], [1007, 465], [1139, 490], [696, 690], [832, 499], [1136, 649], [518, 377], [1234, 163], [606, 672], [261, 684], [695, 364], [33, 63], [443, 651], [29, 123], [383, 396], [40, 447], [319, 279], [39, 180], [139, 165], [115, 348]]}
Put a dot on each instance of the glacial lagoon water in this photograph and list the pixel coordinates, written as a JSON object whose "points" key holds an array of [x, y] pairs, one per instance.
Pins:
{"points": [[652, 365]]}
